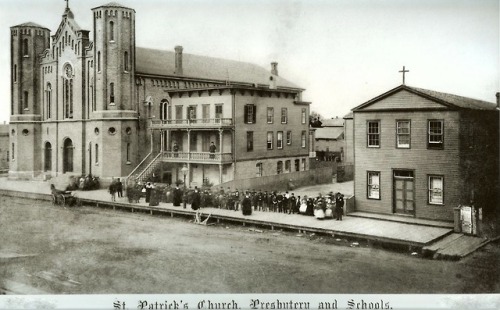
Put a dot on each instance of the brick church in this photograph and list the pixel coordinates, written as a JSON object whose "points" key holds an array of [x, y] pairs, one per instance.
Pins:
{"points": [[91, 102]]}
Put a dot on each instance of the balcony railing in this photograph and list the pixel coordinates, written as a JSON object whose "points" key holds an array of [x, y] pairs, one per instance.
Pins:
{"points": [[192, 123], [197, 157]]}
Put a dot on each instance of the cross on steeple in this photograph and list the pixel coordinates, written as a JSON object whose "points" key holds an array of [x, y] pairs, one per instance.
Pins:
{"points": [[67, 4], [404, 71]]}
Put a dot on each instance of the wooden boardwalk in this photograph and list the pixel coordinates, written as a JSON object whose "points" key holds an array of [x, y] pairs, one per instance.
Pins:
{"points": [[364, 228], [373, 229]]}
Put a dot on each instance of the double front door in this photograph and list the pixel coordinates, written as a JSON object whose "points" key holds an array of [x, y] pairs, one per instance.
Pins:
{"points": [[404, 192]]}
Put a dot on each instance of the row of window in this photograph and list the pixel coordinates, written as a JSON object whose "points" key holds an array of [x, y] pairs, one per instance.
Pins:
{"points": [[279, 139], [251, 112], [435, 187], [280, 169], [435, 134]]}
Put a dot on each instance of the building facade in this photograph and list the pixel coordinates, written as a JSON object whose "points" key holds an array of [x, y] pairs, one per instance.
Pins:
{"points": [[422, 153], [93, 103], [4, 148], [329, 140]]}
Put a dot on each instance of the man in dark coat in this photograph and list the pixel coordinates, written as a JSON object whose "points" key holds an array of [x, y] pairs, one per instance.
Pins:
{"points": [[339, 206], [177, 199], [212, 150], [292, 204], [119, 188], [246, 205], [196, 199]]}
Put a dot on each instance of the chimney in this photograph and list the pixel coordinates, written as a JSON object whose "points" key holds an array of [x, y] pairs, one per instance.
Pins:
{"points": [[178, 60], [498, 100], [274, 68]]}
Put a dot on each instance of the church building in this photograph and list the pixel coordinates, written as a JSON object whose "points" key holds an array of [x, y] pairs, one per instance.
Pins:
{"points": [[91, 102], [422, 153]]}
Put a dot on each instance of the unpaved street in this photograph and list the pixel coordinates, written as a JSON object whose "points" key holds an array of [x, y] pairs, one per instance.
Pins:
{"points": [[47, 249]]}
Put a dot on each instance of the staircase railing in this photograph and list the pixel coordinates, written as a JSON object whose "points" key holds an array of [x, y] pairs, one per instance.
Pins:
{"points": [[149, 168], [141, 164]]}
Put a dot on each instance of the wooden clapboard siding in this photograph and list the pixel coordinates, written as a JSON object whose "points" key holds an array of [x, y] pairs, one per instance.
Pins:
{"points": [[423, 161], [404, 100]]}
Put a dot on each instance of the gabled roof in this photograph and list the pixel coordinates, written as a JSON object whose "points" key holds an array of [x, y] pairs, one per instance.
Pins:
{"points": [[329, 133], [332, 122], [160, 62], [446, 100]]}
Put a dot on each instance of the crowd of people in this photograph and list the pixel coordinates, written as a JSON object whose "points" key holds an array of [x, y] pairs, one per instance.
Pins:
{"points": [[330, 205]]}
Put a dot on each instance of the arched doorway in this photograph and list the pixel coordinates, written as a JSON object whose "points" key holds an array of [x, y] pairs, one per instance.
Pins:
{"points": [[48, 157], [68, 156]]}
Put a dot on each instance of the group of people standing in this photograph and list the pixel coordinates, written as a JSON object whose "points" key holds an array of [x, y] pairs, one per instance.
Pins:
{"points": [[275, 201], [247, 201]]}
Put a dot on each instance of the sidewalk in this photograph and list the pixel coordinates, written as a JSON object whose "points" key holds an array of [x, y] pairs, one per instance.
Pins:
{"points": [[373, 229]]}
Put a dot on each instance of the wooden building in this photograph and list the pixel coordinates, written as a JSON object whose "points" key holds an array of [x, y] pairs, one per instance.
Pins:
{"points": [[421, 153]]}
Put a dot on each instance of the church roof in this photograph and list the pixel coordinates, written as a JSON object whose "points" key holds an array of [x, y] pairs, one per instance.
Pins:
{"points": [[448, 100], [112, 5], [160, 62], [459, 101], [31, 24]]}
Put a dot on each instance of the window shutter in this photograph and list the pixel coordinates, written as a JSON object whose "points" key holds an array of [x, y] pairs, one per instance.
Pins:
{"points": [[245, 115], [254, 114]]}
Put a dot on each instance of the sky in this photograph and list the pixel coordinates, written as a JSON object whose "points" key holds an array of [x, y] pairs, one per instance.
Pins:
{"points": [[343, 52]]}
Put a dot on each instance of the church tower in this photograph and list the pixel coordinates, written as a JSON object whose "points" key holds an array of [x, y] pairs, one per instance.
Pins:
{"points": [[28, 42], [114, 54], [115, 114]]}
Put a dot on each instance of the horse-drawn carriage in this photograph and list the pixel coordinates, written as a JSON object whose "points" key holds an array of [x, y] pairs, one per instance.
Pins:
{"points": [[63, 198]]}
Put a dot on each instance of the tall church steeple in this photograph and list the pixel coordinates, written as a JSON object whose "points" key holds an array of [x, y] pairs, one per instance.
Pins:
{"points": [[114, 54]]}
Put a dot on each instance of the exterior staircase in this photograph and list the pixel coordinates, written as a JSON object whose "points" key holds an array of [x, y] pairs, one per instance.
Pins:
{"points": [[145, 169]]}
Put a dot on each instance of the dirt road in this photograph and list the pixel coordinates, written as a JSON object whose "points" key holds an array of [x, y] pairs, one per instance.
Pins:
{"points": [[47, 249]]}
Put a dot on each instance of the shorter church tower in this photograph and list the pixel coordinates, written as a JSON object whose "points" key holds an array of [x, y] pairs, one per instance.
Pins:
{"points": [[28, 42]]}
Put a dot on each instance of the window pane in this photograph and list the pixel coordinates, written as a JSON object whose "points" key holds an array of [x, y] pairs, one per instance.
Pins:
{"points": [[436, 190], [373, 185], [270, 115], [269, 140], [373, 134]]}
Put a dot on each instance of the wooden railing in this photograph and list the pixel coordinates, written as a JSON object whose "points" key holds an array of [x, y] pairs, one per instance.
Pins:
{"points": [[197, 157], [139, 168], [146, 172], [202, 122]]}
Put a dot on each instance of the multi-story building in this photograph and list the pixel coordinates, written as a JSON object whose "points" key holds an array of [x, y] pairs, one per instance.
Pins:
{"points": [[329, 140], [93, 103], [421, 153]]}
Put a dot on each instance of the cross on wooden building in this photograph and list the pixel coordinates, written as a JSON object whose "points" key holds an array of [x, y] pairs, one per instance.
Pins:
{"points": [[404, 71]]}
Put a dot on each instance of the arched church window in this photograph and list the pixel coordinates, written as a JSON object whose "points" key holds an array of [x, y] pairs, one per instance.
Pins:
{"points": [[68, 91], [25, 48], [111, 93], [25, 100], [125, 61], [48, 157], [111, 31], [98, 61], [49, 100]]}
